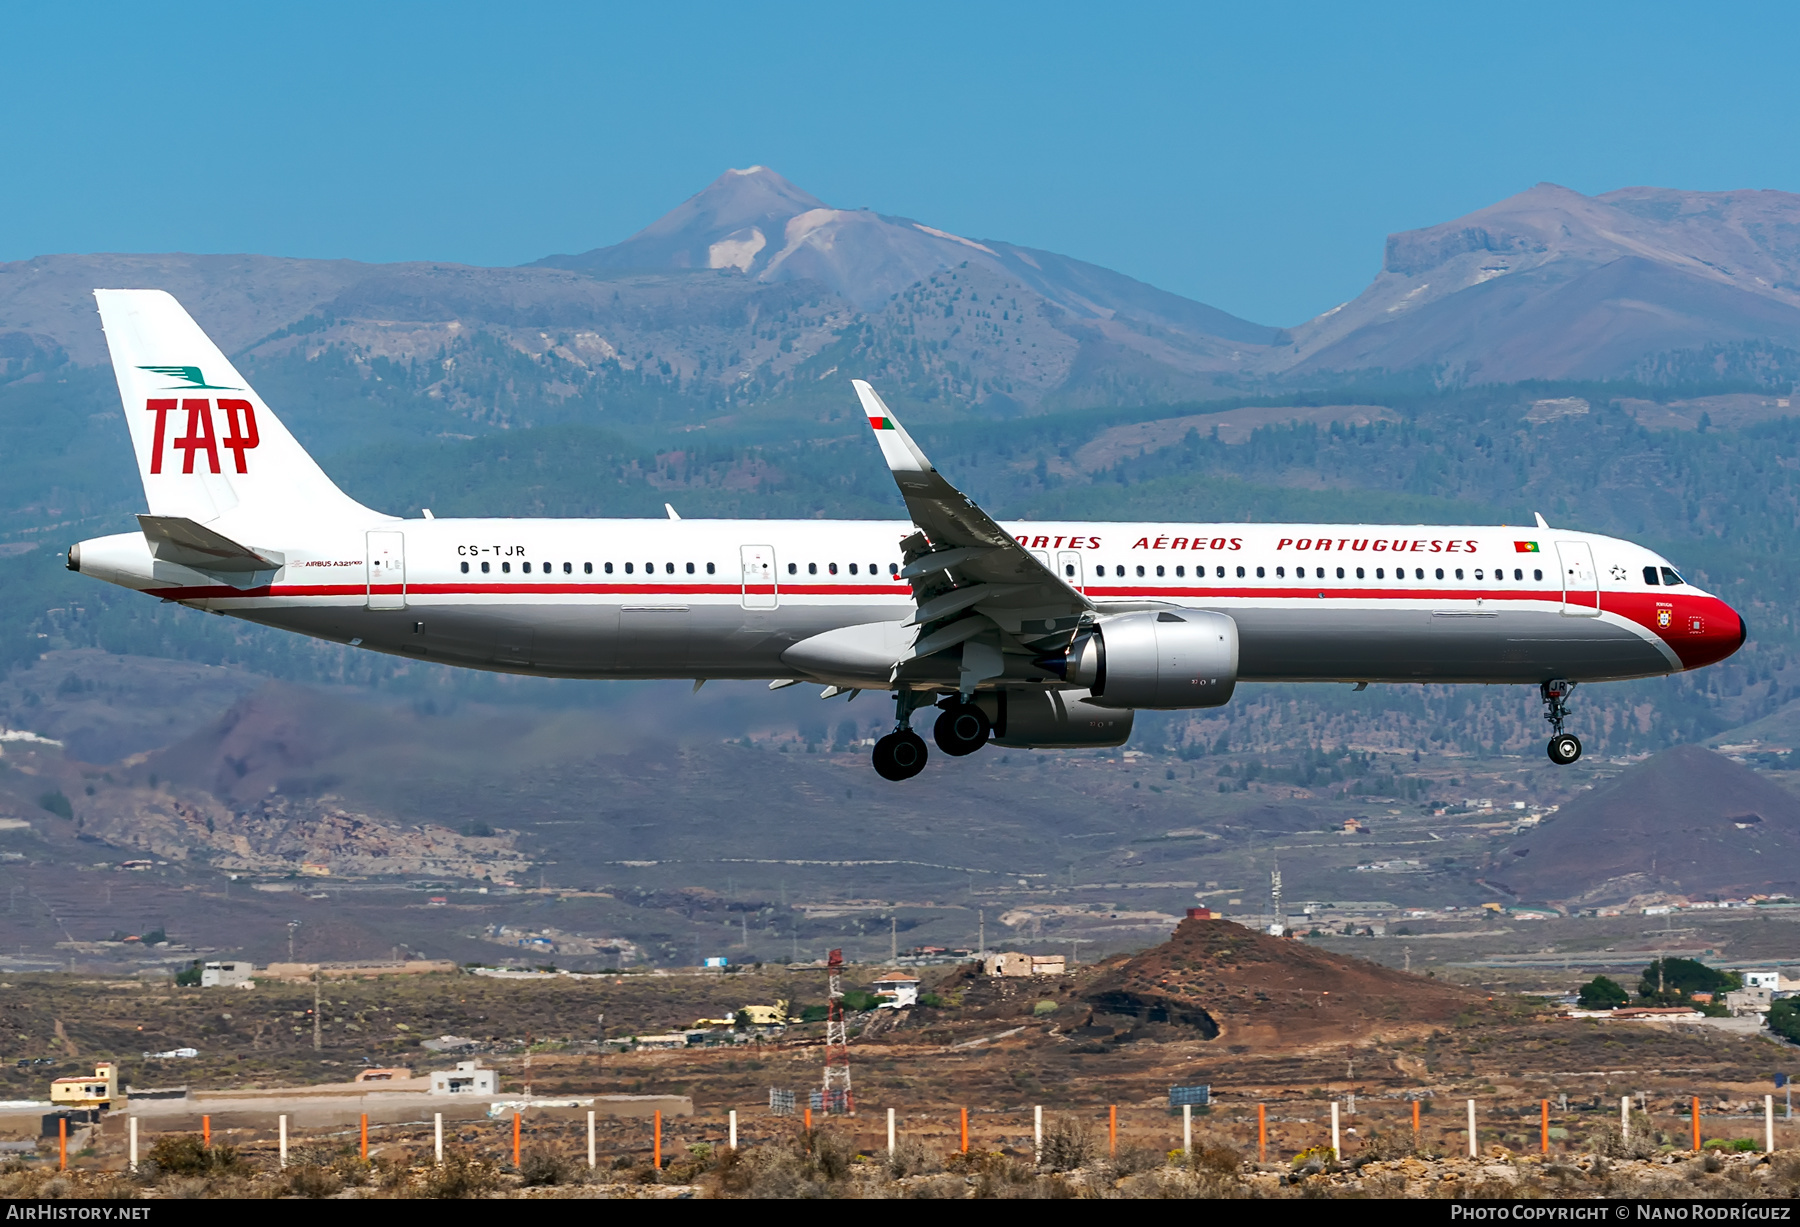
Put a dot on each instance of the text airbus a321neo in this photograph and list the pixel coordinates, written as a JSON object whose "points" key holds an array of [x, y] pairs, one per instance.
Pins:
{"points": [[1029, 635]]}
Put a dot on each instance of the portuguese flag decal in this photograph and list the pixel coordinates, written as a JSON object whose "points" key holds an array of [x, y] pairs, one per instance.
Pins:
{"points": [[1525, 547], [884, 424]]}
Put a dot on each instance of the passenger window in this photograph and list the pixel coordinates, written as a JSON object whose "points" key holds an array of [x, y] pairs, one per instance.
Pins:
{"points": [[1319, 572], [1159, 572], [1259, 573], [853, 568], [506, 568], [1119, 571], [1670, 579], [1477, 572], [1650, 577], [1440, 573], [568, 568], [1380, 573], [1518, 574], [525, 567], [1181, 571], [1359, 573], [690, 568], [709, 568], [1340, 572], [793, 568], [669, 567], [831, 567], [1280, 572], [1459, 573], [1100, 571], [1069, 570], [587, 568], [484, 568], [1140, 572], [465, 568], [1537, 575], [628, 568], [893, 568], [1240, 574], [812, 568]]}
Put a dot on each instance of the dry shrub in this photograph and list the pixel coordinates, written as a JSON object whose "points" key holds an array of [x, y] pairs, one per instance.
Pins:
{"points": [[312, 1180], [187, 1154], [1068, 1144], [1132, 1160], [815, 1163], [461, 1174], [911, 1157], [1608, 1142], [542, 1166]]}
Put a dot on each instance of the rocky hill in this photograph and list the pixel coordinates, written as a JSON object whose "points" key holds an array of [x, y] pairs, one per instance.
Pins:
{"points": [[1243, 987], [1687, 821]]}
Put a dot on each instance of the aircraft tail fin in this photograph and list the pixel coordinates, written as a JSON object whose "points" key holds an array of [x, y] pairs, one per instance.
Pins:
{"points": [[207, 446]]}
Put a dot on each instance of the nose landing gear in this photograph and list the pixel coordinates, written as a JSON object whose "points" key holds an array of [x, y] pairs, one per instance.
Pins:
{"points": [[1564, 748]]}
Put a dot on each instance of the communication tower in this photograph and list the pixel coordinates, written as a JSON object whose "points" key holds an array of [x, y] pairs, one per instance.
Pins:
{"points": [[1277, 926], [836, 1097]]}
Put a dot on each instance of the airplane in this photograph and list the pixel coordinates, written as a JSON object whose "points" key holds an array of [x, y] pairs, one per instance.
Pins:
{"points": [[1023, 634]]}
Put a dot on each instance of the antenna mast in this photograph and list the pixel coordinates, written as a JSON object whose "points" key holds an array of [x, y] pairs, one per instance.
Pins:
{"points": [[837, 1044], [1278, 926]]}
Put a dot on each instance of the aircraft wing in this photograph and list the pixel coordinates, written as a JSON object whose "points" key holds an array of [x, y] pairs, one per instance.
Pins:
{"points": [[972, 582]]}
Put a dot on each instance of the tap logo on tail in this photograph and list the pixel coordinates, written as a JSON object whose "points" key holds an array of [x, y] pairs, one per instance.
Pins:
{"points": [[240, 434]]}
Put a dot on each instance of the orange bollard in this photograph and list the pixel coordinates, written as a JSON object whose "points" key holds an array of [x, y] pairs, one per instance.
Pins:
{"points": [[965, 1131], [1112, 1129], [1544, 1126], [206, 1131], [365, 1138], [1696, 1123], [809, 1120], [1262, 1133], [656, 1143], [1415, 1123], [62, 1143], [515, 1139]]}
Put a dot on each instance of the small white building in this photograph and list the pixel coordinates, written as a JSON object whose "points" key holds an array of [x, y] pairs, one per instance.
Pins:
{"points": [[468, 1078], [1770, 981], [897, 990], [1749, 1000], [227, 975]]}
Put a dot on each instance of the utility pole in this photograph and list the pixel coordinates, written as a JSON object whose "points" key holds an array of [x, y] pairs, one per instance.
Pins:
{"points": [[981, 913], [894, 938], [318, 1005], [292, 926]]}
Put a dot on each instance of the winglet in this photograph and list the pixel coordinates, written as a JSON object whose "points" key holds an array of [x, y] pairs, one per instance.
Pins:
{"points": [[1538, 516], [897, 448]]}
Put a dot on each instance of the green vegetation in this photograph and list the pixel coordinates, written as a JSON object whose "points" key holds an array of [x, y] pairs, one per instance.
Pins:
{"points": [[1784, 1018], [1670, 981], [189, 976], [56, 803], [1601, 993]]}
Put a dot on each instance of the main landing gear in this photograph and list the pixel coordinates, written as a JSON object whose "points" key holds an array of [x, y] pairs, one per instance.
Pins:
{"points": [[1564, 748], [961, 728]]}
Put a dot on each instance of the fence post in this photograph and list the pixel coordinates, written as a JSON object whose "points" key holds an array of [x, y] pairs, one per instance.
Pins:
{"points": [[591, 1136], [965, 1131], [890, 1134], [1544, 1126], [656, 1146], [1336, 1154], [62, 1143], [1187, 1130], [1625, 1117], [1768, 1124], [1472, 1152], [515, 1139], [809, 1118], [282, 1122], [132, 1126], [1112, 1129], [437, 1138], [1037, 1127], [1695, 1109], [1262, 1133], [206, 1132], [365, 1137], [733, 1126], [1415, 1124]]}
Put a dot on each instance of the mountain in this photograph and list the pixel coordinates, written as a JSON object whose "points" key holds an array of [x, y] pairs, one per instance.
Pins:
{"points": [[1686, 821], [1551, 284]]}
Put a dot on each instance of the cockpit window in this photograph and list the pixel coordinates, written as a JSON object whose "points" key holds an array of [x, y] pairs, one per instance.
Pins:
{"points": [[1650, 577], [1670, 579]]}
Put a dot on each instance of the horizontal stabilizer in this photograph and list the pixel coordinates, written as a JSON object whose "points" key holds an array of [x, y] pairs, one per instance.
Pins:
{"points": [[180, 540]]}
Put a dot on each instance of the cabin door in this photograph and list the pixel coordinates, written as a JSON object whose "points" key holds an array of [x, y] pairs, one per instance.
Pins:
{"points": [[1581, 587], [387, 570], [760, 588]]}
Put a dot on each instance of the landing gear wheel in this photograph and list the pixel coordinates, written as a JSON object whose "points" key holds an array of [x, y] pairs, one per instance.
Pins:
{"points": [[900, 755], [1565, 748], [962, 729]]}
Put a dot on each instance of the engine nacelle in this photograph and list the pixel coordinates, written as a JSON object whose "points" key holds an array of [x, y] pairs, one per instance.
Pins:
{"points": [[1026, 718], [1168, 659]]}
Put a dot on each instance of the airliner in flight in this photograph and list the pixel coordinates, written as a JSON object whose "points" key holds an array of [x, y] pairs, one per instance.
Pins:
{"points": [[1026, 634]]}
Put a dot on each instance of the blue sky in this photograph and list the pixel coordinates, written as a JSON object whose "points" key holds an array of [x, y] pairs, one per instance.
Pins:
{"points": [[1251, 156]]}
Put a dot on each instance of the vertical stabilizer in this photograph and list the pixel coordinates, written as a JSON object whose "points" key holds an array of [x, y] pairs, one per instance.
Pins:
{"points": [[207, 446]]}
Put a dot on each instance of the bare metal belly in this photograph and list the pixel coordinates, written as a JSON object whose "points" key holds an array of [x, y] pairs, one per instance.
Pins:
{"points": [[677, 640]]}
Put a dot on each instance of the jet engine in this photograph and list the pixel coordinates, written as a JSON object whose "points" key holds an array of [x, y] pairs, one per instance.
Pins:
{"points": [[1169, 659], [1027, 718]]}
